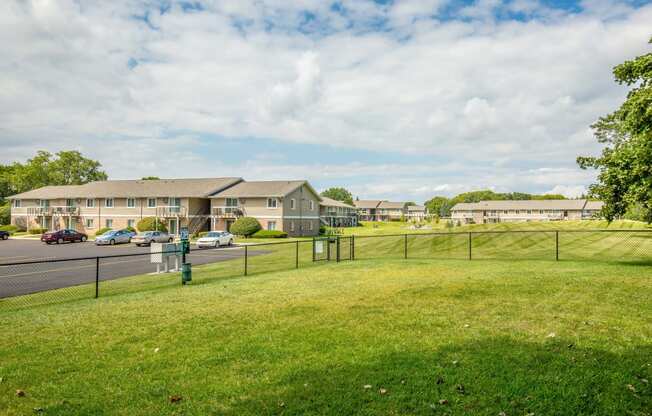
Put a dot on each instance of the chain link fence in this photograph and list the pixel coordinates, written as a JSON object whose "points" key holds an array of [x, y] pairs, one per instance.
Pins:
{"points": [[27, 284]]}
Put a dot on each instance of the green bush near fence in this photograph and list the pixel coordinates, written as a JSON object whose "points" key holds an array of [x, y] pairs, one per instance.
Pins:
{"points": [[102, 231], [270, 234], [245, 226], [37, 230], [151, 224]]}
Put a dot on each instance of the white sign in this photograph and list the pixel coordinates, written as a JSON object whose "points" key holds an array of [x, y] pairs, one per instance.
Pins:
{"points": [[319, 247], [161, 253]]}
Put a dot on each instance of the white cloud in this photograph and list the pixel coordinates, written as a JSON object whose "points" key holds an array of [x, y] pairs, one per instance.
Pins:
{"points": [[480, 92]]}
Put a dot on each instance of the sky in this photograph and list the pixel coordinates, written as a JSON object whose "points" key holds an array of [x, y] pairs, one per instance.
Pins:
{"points": [[399, 100]]}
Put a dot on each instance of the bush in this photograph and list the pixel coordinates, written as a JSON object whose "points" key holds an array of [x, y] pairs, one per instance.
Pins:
{"points": [[9, 228], [38, 230], [245, 226], [151, 224], [102, 231], [322, 229], [5, 214], [131, 229], [270, 234]]}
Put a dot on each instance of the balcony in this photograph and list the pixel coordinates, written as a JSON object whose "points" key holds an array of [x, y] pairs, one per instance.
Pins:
{"points": [[227, 212], [53, 211], [170, 211]]}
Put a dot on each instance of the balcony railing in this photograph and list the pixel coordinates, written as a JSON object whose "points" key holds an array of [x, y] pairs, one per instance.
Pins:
{"points": [[54, 210], [170, 211], [228, 212]]}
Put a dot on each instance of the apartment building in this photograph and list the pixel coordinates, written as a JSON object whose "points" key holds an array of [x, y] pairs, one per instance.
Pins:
{"points": [[416, 213], [119, 203], [367, 209], [391, 211], [335, 213], [290, 206], [530, 210]]}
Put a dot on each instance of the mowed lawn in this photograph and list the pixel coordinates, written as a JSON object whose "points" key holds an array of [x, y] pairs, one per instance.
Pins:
{"points": [[399, 337]]}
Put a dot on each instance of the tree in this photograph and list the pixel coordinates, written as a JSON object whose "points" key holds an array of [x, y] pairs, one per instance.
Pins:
{"points": [[151, 224], [439, 205], [625, 164], [66, 168], [339, 194], [245, 226]]}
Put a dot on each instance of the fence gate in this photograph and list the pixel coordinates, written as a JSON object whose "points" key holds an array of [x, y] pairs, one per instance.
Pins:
{"points": [[332, 248]]}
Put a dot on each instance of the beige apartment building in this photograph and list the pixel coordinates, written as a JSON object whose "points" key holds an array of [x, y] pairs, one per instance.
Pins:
{"points": [[416, 213], [290, 206], [335, 213], [118, 204], [367, 209], [530, 210], [379, 210]]}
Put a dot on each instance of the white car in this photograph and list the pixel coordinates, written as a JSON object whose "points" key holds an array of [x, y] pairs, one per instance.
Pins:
{"points": [[216, 239]]}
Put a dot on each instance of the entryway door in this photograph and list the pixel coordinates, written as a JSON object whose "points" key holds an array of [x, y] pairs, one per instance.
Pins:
{"points": [[173, 227]]}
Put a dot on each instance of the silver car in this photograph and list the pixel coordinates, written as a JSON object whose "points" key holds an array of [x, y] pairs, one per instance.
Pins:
{"points": [[149, 237], [114, 237]]}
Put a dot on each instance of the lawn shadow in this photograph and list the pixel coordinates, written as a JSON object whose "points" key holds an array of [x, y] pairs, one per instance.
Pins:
{"points": [[478, 378]]}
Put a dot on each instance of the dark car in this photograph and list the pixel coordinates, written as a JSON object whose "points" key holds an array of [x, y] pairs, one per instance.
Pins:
{"points": [[4, 235], [63, 236]]}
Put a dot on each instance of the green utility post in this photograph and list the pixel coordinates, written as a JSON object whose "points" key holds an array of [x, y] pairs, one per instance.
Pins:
{"points": [[186, 268]]}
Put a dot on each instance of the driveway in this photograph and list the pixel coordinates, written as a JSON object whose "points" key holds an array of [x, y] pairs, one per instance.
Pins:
{"points": [[21, 279]]}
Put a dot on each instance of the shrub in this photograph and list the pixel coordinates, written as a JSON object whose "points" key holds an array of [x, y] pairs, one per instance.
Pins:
{"points": [[270, 234], [5, 213], [9, 228], [38, 230], [131, 229], [245, 226], [322, 229], [102, 231], [151, 224]]}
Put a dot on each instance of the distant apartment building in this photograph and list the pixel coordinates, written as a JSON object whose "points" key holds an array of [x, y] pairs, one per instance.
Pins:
{"points": [[195, 204], [530, 210], [335, 213], [290, 206], [379, 210], [367, 209], [416, 212]]}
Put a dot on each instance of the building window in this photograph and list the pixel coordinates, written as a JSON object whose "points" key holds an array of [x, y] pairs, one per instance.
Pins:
{"points": [[231, 202], [292, 203], [44, 203], [131, 202], [311, 204], [16, 203], [108, 223], [271, 202], [151, 202], [310, 225], [90, 203], [131, 223], [271, 225], [292, 225], [108, 202], [89, 223]]}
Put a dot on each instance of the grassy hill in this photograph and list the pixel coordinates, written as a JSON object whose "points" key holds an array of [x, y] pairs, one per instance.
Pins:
{"points": [[367, 337]]}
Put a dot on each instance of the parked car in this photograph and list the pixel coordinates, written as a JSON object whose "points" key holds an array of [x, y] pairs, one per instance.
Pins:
{"points": [[216, 239], [149, 237], [114, 237], [63, 236], [4, 235]]}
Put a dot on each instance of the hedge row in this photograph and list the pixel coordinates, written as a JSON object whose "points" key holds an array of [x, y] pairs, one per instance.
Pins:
{"points": [[270, 234]]}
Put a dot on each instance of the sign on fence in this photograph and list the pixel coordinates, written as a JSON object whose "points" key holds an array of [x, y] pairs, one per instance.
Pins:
{"points": [[162, 253], [319, 247]]}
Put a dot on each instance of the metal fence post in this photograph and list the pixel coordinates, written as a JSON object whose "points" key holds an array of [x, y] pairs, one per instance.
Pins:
{"points": [[97, 277], [314, 241], [405, 247], [245, 265], [557, 245], [297, 255], [352, 247], [338, 249], [470, 246]]}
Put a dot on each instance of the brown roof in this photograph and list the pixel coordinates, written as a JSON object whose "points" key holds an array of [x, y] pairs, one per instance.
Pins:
{"points": [[366, 204], [392, 205], [420, 208], [328, 202], [594, 205], [193, 188], [263, 189], [561, 204]]}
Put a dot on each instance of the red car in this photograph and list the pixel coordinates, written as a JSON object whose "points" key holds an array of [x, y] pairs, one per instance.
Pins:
{"points": [[63, 236]]}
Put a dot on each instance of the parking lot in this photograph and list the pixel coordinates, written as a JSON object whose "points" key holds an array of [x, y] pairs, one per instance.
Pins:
{"points": [[30, 278]]}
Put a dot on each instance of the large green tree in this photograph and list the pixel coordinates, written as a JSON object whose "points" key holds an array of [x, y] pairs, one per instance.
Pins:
{"points": [[625, 164], [338, 194]]}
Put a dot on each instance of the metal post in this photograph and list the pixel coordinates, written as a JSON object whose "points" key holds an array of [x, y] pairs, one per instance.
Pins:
{"points": [[314, 242], [338, 249], [97, 277], [470, 246], [405, 247], [297, 255], [557, 245], [245, 265], [352, 247]]}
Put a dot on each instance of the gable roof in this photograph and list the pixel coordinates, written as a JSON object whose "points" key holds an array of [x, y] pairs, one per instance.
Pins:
{"points": [[263, 189], [367, 203], [328, 202], [419, 208], [190, 187], [392, 205], [562, 204]]}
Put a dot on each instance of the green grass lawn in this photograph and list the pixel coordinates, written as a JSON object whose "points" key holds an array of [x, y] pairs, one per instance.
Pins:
{"points": [[365, 337]]}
